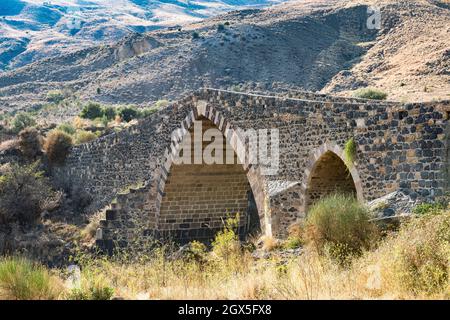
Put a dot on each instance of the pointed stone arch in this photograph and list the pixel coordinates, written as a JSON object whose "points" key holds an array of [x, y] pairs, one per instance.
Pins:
{"points": [[203, 112], [332, 155]]}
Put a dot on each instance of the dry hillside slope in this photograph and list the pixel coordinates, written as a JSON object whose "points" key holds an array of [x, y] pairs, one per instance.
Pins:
{"points": [[313, 45]]}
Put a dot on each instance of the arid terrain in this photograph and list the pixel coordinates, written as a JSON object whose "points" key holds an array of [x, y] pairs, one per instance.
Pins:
{"points": [[303, 45], [362, 196]]}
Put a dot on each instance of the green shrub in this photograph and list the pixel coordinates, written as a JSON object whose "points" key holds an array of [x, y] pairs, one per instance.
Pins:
{"points": [[93, 286], [21, 121], [220, 27], [226, 242], [197, 251], [55, 96], [429, 208], [148, 112], [129, 113], [21, 279], [92, 111], [293, 243], [161, 104], [67, 128], [339, 226], [416, 259], [57, 146], [23, 191], [30, 143], [350, 152], [195, 35], [83, 136], [369, 93], [109, 113]]}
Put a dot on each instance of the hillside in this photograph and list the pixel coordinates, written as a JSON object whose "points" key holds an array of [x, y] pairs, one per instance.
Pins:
{"points": [[310, 45], [31, 30]]}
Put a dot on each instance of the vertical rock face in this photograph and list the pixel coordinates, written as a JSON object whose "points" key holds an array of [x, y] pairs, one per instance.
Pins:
{"points": [[399, 147]]}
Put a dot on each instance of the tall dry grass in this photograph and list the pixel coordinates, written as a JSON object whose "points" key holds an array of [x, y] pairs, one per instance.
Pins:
{"points": [[410, 264]]}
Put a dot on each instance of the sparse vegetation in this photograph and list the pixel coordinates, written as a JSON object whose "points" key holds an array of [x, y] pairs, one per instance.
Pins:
{"points": [[21, 279], [55, 96], [57, 146], [350, 152], [410, 264], [429, 208], [30, 143], [370, 93], [23, 191], [339, 226], [91, 111], [195, 35], [129, 113], [21, 121], [83, 136], [67, 128]]}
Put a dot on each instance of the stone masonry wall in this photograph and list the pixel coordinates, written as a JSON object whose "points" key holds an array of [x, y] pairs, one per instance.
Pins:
{"points": [[399, 147]]}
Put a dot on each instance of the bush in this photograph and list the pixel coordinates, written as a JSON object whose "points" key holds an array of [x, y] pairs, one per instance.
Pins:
{"points": [[148, 112], [30, 143], [195, 35], [91, 111], [23, 191], [57, 146], [128, 113], [220, 27], [416, 260], [369, 93], [93, 286], [339, 226], [55, 96], [226, 242], [21, 121], [67, 128], [109, 113], [350, 152], [83, 136], [21, 279], [161, 104], [429, 208]]}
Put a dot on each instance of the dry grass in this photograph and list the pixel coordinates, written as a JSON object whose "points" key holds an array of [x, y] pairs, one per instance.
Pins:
{"points": [[410, 264]]}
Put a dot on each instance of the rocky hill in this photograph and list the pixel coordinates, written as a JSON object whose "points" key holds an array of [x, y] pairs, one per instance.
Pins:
{"points": [[315, 45], [31, 30]]}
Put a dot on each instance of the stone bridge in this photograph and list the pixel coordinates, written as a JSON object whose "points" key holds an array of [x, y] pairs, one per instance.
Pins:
{"points": [[398, 147]]}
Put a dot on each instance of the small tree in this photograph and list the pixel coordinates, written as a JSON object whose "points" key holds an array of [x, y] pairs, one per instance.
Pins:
{"points": [[91, 111], [23, 191], [21, 121], [30, 142], [55, 96], [57, 146], [128, 113], [109, 113]]}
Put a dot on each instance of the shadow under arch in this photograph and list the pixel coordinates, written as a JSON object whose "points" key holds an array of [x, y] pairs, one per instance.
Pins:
{"points": [[192, 199], [327, 173]]}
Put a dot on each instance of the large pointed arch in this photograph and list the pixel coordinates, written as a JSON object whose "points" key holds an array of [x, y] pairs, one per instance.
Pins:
{"points": [[256, 185]]}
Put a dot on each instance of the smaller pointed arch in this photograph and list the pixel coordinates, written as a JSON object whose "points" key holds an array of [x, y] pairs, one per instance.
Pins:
{"points": [[327, 173]]}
